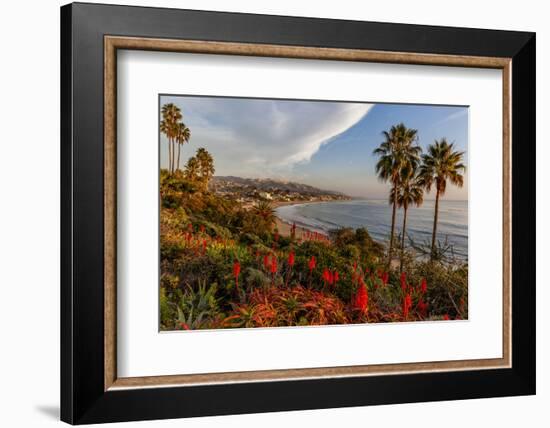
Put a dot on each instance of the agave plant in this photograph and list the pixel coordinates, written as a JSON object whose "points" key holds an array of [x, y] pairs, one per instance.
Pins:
{"points": [[197, 305]]}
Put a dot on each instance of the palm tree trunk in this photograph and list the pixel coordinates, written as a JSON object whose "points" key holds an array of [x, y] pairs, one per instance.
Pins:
{"points": [[434, 232], [392, 223], [179, 145], [403, 237], [173, 157], [169, 155]]}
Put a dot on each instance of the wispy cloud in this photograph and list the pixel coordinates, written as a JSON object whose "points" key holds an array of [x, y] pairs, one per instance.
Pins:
{"points": [[453, 116], [264, 137]]}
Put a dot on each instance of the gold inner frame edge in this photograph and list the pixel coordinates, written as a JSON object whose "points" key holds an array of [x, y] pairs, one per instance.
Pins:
{"points": [[113, 43]]}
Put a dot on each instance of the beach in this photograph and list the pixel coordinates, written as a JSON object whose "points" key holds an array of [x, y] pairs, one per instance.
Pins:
{"points": [[284, 227]]}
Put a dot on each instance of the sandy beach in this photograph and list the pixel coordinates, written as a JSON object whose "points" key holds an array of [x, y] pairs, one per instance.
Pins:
{"points": [[284, 228]]}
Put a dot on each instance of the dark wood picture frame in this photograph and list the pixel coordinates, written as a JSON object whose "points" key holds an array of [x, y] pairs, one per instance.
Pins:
{"points": [[90, 36]]}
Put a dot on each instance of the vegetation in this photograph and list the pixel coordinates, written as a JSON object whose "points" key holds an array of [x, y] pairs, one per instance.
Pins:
{"points": [[225, 265]]}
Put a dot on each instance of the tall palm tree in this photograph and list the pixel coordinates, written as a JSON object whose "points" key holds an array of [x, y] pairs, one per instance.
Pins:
{"points": [[206, 166], [397, 151], [440, 164], [410, 192], [183, 135], [171, 115]]}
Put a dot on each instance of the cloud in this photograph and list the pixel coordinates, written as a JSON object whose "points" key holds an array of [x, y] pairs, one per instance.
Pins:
{"points": [[463, 111], [252, 137]]}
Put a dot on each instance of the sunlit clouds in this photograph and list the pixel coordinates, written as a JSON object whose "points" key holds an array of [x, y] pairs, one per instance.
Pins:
{"points": [[263, 138]]}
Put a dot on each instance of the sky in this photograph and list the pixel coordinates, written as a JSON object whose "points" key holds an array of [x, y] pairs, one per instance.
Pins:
{"points": [[325, 144]]}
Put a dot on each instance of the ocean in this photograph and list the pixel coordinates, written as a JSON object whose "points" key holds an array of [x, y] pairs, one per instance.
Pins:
{"points": [[375, 216]]}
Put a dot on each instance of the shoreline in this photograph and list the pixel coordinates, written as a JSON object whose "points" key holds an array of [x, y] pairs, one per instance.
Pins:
{"points": [[284, 227]]}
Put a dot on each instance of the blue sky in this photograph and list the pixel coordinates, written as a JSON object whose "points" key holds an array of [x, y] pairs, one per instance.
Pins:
{"points": [[324, 144]]}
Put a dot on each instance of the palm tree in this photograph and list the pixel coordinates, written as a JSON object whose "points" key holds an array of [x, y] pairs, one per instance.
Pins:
{"points": [[192, 169], [409, 192], [206, 166], [171, 115], [397, 151], [265, 211], [183, 136], [440, 164]]}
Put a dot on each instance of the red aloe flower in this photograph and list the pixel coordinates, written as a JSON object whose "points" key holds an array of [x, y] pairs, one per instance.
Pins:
{"points": [[424, 286], [291, 258], [407, 303], [446, 317], [266, 262], [273, 264], [236, 272], [312, 263], [202, 228], [291, 261], [385, 278], [336, 276], [325, 275], [403, 281], [204, 246], [362, 297]]}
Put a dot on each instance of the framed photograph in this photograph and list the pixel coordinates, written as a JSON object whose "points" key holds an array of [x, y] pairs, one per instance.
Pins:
{"points": [[267, 213]]}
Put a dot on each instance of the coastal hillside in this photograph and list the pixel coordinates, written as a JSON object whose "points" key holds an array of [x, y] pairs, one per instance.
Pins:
{"points": [[252, 189], [227, 262]]}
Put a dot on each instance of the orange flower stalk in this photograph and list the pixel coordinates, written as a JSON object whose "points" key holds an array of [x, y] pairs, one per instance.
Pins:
{"points": [[291, 258], [273, 264], [424, 286], [312, 263], [236, 272], [361, 301], [407, 304], [266, 262], [291, 261]]}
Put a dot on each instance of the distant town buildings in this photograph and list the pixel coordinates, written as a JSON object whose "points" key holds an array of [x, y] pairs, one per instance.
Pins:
{"points": [[250, 191]]}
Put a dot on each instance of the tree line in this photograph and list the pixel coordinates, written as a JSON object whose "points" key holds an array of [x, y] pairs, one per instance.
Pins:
{"points": [[411, 172], [199, 168]]}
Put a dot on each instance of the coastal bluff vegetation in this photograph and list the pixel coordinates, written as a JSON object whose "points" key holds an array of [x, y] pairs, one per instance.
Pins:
{"points": [[224, 264]]}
